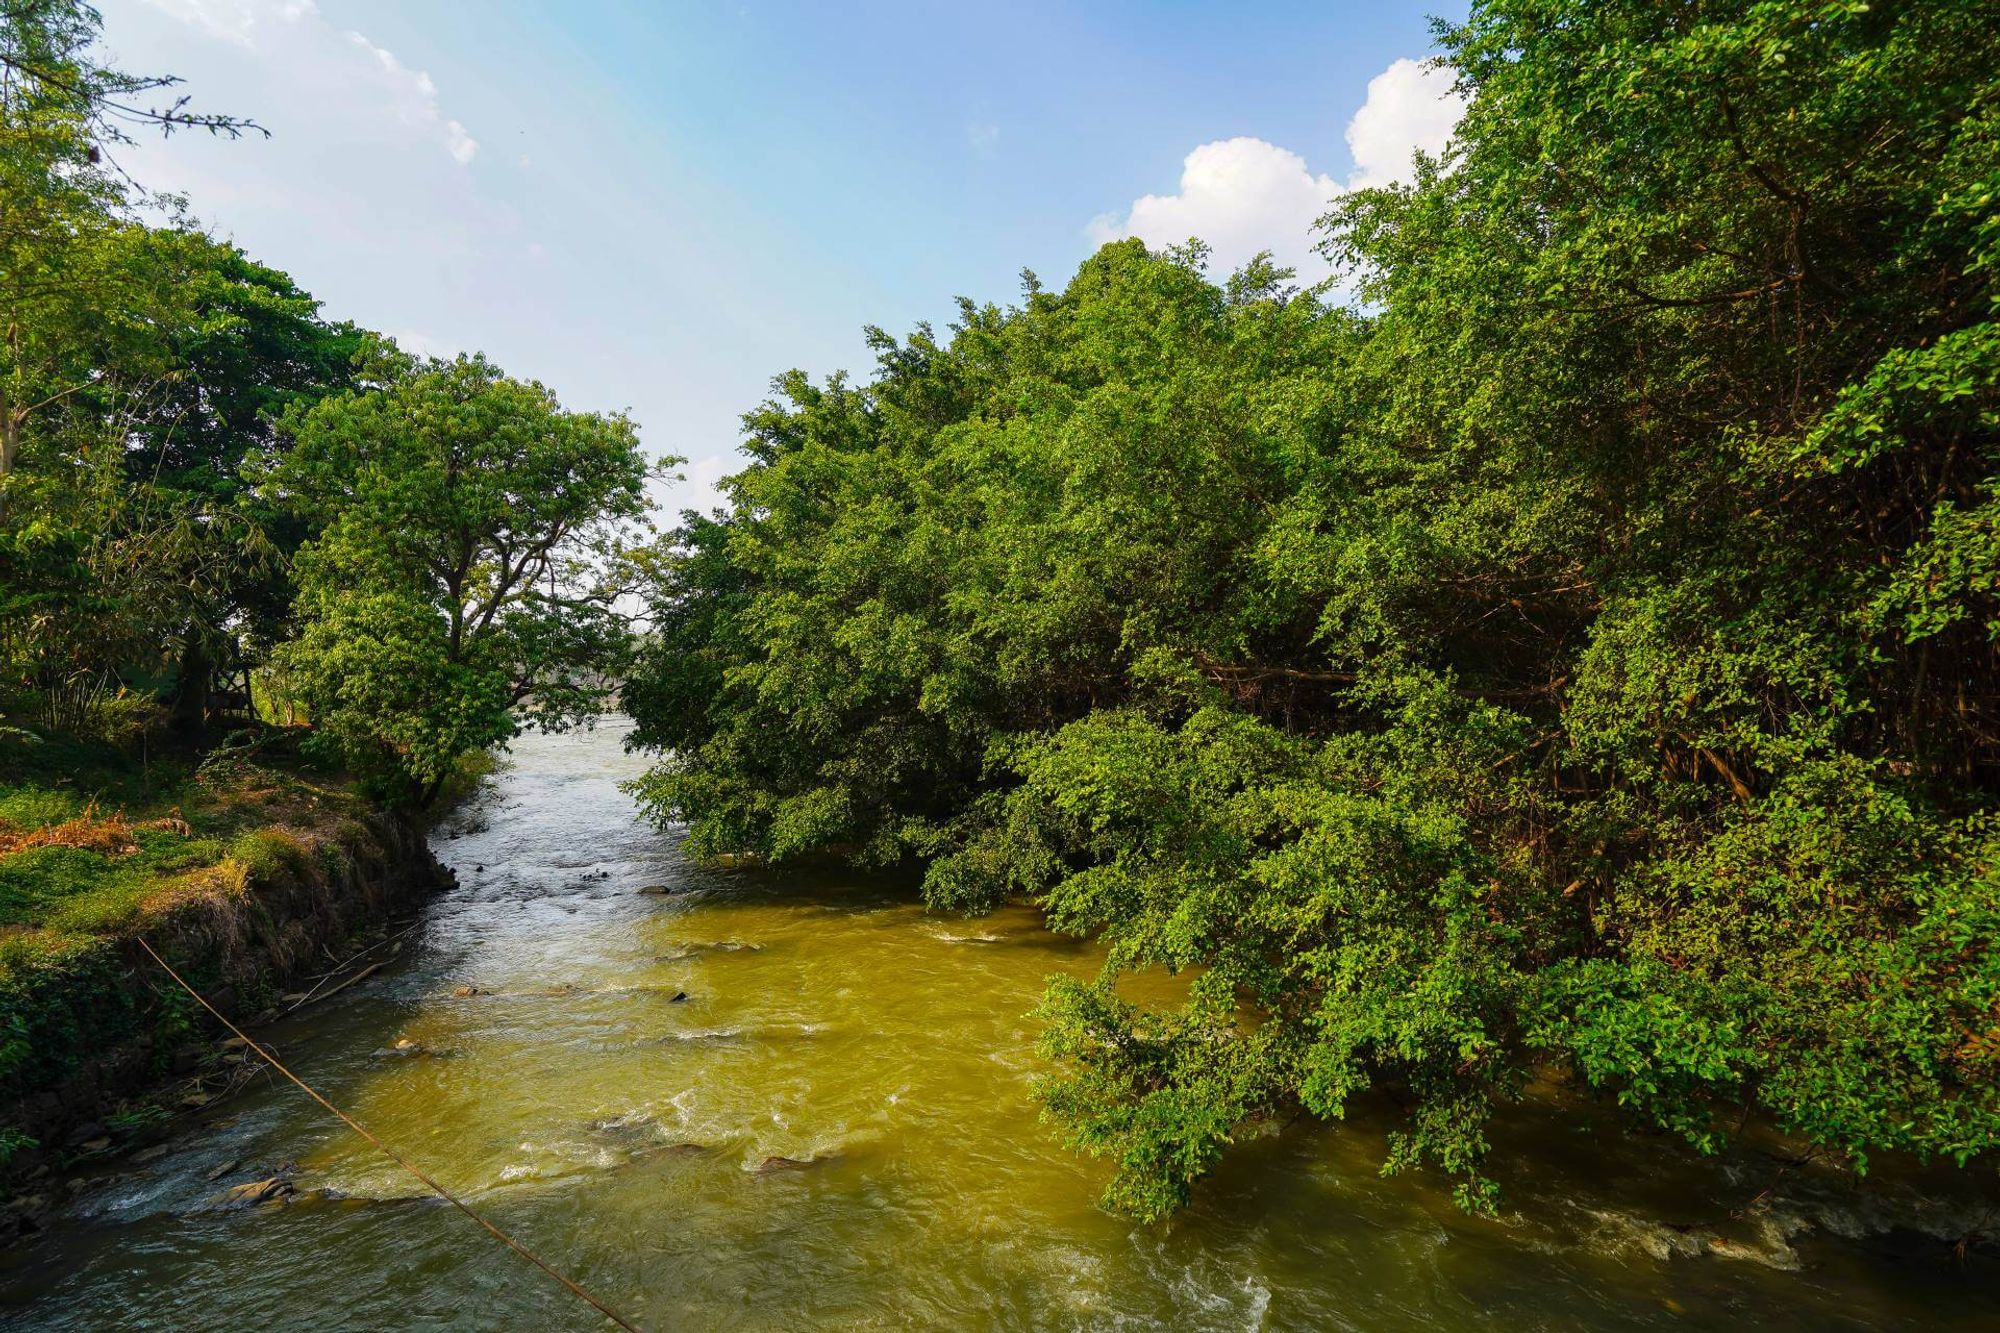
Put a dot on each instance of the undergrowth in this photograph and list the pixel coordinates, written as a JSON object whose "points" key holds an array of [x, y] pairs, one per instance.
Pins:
{"points": [[96, 844]]}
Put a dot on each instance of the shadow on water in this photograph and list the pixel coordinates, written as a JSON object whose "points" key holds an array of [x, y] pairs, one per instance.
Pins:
{"points": [[762, 1099]]}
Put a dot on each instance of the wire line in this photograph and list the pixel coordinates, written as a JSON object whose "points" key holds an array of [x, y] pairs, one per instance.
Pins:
{"points": [[396, 1157]]}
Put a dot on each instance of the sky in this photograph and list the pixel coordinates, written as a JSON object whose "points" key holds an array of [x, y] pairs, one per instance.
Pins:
{"points": [[657, 208]]}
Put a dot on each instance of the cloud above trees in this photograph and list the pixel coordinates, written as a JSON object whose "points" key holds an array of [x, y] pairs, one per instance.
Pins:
{"points": [[371, 84], [1246, 194]]}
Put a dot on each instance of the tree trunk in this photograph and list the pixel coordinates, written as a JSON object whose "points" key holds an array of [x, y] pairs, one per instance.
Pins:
{"points": [[191, 690], [10, 446]]}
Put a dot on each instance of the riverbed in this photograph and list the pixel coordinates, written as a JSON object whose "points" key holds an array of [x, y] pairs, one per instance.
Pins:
{"points": [[730, 1098]]}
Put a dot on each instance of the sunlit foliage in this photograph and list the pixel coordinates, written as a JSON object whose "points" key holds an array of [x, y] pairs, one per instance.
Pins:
{"points": [[1576, 654]]}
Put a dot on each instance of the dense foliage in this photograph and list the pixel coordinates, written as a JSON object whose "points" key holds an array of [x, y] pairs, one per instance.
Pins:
{"points": [[463, 573], [206, 485], [1577, 653], [205, 481]]}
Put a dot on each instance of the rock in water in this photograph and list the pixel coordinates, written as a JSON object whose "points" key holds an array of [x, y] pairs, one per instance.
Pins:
{"points": [[770, 1166], [258, 1191], [685, 1150], [407, 1049]]}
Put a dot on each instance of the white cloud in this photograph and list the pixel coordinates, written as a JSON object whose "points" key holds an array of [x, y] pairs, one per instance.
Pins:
{"points": [[1240, 196], [231, 20], [357, 78], [1410, 106], [1246, 194]]}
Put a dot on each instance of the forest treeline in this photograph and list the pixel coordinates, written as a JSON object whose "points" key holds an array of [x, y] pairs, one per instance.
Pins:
{"points": [[1568, 645], [217, 504]]}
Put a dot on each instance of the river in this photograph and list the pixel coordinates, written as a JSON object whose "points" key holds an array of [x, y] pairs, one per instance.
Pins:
{"points": [[613, 1092]]}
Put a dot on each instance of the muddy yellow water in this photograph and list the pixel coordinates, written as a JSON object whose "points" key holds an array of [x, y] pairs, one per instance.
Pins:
{"points": [[780, 1101]]}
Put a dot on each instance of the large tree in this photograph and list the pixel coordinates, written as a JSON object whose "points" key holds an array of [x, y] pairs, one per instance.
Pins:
{"points": [[1579, 658], [249, 346], [465, 573], [99, 570], [80, 289]]}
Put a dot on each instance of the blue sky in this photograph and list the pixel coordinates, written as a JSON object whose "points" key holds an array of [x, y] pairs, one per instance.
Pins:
{"points": [[659, 207]]}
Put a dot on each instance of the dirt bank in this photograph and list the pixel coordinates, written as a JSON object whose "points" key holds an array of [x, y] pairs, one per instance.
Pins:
{"points": [[100, 1053]]}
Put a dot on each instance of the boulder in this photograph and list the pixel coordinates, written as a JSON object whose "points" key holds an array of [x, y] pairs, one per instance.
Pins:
{"points": [[270, 1190]]}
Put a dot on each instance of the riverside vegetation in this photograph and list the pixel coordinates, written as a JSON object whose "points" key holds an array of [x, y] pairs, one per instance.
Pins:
{"points": [[221, 512], [1566, 648], [1575, 654]]}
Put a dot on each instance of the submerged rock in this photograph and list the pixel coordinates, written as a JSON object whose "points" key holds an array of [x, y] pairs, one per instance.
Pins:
{"points": [[771, 1166], [622, 1126], [705, 1036], [270, 1190], [687, 951]]}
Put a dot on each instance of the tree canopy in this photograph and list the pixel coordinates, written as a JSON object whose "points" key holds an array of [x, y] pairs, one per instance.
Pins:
{"points": [[1577, 653], [463, 575], [200, 471]]}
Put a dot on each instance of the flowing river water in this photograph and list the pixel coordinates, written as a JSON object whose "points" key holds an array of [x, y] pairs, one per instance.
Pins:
{"points": [[616, 1090]]}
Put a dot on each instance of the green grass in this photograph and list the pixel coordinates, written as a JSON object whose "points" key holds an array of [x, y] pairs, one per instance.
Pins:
{"points": [[34, 767], [236, 815], [238, 805], [38, 807], [267, 851], [73, 888]]}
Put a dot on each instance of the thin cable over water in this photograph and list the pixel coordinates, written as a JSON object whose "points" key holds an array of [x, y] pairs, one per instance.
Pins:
{"points": [[396, 1157]]}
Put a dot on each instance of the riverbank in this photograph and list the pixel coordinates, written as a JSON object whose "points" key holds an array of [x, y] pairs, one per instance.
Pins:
{"points": [[249, 870], [770, 1098]]}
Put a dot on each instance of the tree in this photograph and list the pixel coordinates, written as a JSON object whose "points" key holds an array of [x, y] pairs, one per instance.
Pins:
{"points": [[76, 287], [1580, 658], [250, 346], [465, 567], [97, 575]]}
